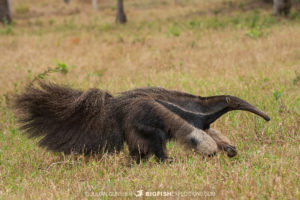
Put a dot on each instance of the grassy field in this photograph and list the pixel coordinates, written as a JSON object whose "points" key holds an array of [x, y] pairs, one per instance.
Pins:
{"points": [[202, 47]]}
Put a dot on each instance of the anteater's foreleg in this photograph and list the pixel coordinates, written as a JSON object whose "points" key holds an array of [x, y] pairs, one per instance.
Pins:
{"points": [[149, 125], [222, 141]]}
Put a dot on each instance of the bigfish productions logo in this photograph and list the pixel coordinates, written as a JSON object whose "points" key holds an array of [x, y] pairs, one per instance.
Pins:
{"points": [[143, 193], [176, 193]]}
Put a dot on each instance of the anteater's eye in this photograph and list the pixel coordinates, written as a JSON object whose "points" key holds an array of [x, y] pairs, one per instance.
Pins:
{"points": [[194, 142]]}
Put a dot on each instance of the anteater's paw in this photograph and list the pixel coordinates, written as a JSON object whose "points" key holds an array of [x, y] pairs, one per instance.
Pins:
{"points": [[169, 160], [212, 154], [231, 150]]}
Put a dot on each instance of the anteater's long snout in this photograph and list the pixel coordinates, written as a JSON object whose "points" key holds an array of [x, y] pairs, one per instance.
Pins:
{"points": [[239, 104]]}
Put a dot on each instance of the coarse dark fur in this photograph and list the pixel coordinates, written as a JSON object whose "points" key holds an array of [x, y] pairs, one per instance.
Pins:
{"points": [[94, 121]]}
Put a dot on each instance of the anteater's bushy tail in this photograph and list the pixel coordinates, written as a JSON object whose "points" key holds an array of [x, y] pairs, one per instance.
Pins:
{"points": [[69, 120]]}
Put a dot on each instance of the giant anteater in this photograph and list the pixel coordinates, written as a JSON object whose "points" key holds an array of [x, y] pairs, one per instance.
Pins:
{"points": [[95, 121]]}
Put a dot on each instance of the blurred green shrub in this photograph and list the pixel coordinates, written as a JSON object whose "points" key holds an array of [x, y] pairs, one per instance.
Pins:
{"points": [[22, 8]]}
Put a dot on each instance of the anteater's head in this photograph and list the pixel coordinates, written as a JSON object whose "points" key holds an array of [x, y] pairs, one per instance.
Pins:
{"points": [[215, 106]]}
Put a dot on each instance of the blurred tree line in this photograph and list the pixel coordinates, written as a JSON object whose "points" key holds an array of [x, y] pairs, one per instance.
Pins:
{"points": [[280, 7], [5, 15]]}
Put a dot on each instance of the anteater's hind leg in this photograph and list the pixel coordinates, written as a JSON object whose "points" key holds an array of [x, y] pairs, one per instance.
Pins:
{"points": [[145, 141], [137, 156], [222, 141]]}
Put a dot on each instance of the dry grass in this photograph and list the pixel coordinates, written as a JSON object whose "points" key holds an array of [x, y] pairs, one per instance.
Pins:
{"points": [[186, 46]]}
